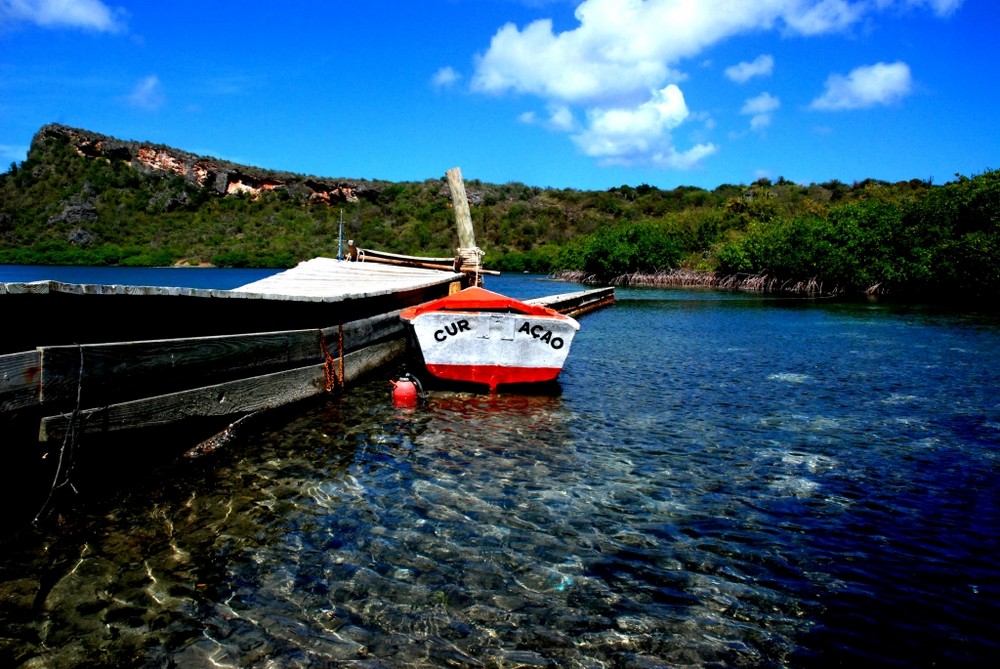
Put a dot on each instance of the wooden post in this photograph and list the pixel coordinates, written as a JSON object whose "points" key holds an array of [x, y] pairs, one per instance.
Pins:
{"points": [[466, 235]]}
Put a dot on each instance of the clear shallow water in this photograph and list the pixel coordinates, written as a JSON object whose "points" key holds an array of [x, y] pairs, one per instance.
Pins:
{"points": [[723, 480]]}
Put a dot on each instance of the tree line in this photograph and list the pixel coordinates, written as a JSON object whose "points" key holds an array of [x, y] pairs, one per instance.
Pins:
{"points": [[911, 238]]}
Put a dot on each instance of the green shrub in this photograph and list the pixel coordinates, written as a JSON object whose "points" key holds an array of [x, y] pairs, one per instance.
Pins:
{"points": [[626, 249]]}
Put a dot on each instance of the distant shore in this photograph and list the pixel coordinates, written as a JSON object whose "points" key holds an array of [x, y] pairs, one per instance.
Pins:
{"points": [[689, 278]]}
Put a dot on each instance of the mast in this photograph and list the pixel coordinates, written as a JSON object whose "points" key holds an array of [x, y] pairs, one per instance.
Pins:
{"points": [[466, 235], [469, 254], [340, 237]]}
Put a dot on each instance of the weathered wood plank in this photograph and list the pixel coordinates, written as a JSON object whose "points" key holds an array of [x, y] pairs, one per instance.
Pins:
{"points": [[362, 332], [331, 279], [30, 288], [230, 399], [19, 380], [439, 260], [578, 303], [98, 374]]}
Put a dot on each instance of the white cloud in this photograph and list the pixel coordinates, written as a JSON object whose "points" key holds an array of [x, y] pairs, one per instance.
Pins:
{"points": [[560, 118], [147, 94], [623, 47], [942, 7], [86, 14], [628, 136], [446, 77], [761, 66], [816, 18], [760, 110], [619, 50], [867, 86], [939, 7]]}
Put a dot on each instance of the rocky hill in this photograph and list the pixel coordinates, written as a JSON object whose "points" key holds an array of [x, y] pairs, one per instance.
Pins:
{"points": [[82, 197], [222, 177], [89, 199]]}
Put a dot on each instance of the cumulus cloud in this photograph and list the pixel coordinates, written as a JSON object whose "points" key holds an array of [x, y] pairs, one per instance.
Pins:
{"points": [[866, 86], [640, 135], [760, 110], [147, 94], [613, 66], [624, 46], [761, 66], [86, 14], [446, 77]]}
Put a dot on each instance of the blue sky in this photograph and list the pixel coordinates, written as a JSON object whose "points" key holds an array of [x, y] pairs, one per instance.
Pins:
{"points": [[585, 94]]}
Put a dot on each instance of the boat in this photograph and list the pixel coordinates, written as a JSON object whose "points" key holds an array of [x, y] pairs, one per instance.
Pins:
{"points": [[480, 337]]}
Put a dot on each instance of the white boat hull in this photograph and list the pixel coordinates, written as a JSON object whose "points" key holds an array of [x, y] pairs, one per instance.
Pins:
{"points": [[494, 348]]}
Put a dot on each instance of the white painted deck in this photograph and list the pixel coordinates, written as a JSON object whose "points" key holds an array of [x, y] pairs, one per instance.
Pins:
{"points": [[332, 279]]}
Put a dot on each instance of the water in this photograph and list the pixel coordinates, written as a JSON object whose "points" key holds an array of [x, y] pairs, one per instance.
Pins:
{"points": [[188, 277], [722, 480]]}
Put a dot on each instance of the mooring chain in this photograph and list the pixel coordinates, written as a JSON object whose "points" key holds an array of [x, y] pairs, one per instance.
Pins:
{"points": [[333, 368]]}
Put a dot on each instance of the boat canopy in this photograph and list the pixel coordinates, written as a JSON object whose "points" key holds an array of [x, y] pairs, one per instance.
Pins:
{"points": [[479, 299]]}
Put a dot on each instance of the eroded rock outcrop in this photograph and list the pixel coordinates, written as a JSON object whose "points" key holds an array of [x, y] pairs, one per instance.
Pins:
{"points": [[222, 177]]}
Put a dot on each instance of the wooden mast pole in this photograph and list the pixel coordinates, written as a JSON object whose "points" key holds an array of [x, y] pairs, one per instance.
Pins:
{"points": [[466, 235], [468, 253]]}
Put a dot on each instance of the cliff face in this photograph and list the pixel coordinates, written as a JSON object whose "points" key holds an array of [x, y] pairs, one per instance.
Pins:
{"points": [[222, 177]]}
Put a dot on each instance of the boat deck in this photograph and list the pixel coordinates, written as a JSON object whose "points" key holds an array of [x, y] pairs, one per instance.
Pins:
{"points": [[319, 279], [329, 279]]}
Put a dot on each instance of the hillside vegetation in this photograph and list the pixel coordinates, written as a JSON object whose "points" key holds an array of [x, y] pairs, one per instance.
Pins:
{"points": [[67, 205]]}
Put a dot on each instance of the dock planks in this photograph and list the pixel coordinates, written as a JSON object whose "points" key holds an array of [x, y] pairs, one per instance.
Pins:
{"points": [[329, 279]]}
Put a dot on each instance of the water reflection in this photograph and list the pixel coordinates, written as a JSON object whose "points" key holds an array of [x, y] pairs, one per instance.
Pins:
{"points": [[712, 487]]}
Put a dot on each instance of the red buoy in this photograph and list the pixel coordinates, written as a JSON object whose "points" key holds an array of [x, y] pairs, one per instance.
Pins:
{"points": [[404, 393]]}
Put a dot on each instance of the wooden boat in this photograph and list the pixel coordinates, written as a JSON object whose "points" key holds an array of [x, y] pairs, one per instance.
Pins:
{"points": [[481, 337]]}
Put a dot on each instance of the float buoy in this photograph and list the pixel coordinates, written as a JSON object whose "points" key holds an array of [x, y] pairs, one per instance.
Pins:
{"points": [[404, 392]]}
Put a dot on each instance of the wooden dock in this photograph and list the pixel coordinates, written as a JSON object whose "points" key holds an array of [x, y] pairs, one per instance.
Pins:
{"points": [[111, 358], [578, 303], [105, 373]]}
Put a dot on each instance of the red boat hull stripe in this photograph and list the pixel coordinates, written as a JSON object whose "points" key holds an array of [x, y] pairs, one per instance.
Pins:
{"points": [[493, 375]]}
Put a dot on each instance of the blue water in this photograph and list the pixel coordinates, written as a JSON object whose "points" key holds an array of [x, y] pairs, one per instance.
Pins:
{"points": [[721, 480], [187, 277]]}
